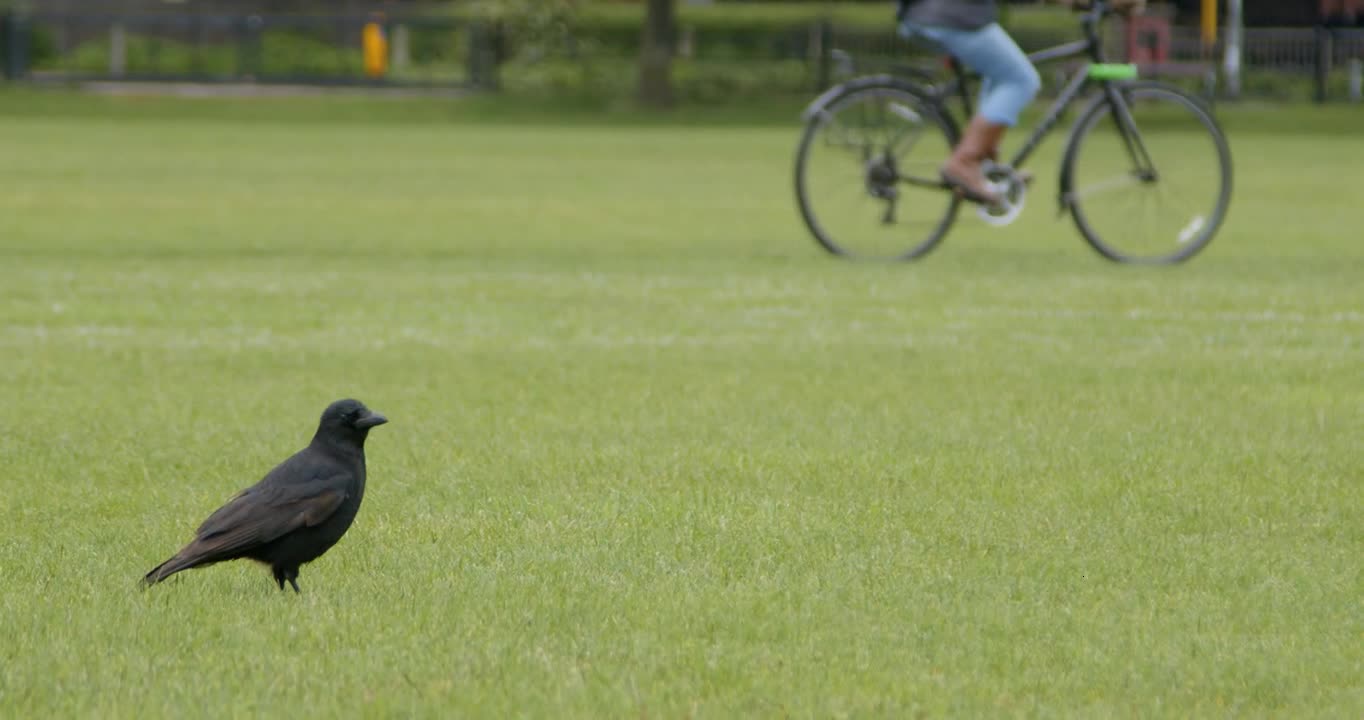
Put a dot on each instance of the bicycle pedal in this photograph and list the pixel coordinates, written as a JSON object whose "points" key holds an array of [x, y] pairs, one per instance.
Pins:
{"points": [[1012, 193]]}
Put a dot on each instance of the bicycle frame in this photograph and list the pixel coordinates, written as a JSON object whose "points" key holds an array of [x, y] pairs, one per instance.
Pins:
{"points": [[1090, 48]]}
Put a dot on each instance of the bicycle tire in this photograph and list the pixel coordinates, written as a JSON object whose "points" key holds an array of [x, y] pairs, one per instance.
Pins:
{"points": [[814, 123], [1090, 117]]}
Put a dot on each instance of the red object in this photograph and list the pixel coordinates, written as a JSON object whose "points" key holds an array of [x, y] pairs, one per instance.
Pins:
{"points": [[1148, 39], [1349, 9]]}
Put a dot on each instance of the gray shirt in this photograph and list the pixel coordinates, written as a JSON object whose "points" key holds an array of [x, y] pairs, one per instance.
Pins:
{"points": [[955, 14]]}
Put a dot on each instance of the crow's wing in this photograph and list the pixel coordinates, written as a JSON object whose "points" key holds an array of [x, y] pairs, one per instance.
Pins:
{"points": [[268, 511]]}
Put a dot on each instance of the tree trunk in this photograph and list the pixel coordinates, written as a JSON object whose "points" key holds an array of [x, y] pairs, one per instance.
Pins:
{"points": [[656, 55]]}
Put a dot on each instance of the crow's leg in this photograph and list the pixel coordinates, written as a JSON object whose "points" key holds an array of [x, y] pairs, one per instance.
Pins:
{"points": [[292, 576]]}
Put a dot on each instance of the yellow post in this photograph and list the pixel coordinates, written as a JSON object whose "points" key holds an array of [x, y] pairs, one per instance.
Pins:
{"points": [[375, 48], [1209, 21]]}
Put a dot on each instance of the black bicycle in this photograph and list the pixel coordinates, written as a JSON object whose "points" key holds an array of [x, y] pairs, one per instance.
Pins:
{"points": [[1146, 173]]}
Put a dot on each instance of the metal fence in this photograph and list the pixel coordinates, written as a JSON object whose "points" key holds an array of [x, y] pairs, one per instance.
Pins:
{"points": [[444, 51], [1277, 63], [1287, 63], [313, 49]]}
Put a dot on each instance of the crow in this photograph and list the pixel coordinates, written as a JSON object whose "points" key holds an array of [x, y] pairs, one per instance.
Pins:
{"points": [[297, 511]]}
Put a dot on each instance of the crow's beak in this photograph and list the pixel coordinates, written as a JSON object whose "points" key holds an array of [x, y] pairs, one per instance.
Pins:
{"points": [[371, 420]]}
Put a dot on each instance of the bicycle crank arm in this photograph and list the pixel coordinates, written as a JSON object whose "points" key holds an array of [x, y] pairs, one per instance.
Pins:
{"points": [[935, 183]]}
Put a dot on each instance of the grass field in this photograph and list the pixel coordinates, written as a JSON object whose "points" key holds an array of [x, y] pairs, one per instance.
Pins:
{"points": [[652, 454]]}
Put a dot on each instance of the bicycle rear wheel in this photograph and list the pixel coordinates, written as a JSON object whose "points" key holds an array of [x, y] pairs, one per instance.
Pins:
{"points": [[867, 173], [1148, 178]]}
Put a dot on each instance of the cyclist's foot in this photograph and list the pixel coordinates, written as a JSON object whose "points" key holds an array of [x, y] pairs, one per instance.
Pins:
{"points": [[968, 181], [963, 172]]}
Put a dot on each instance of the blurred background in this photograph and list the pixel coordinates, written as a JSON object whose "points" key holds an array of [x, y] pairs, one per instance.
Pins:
{"points": [[659, 52]]}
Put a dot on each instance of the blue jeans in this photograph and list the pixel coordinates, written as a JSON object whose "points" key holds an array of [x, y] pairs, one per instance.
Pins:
{"points": [[1010, 81]]}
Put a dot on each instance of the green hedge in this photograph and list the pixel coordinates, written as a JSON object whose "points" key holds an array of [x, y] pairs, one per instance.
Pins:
{"points": [[777, 13], [698, 82], [278, 54], [774, 30], [42, 48], [736, 48]]}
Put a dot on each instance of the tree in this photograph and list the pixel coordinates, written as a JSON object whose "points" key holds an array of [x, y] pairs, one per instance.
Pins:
{"points": [[535, 27], [656, 54], [540, 23]]}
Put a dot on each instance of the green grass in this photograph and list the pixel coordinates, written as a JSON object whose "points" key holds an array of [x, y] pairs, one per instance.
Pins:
{"points": [[651, 452]]}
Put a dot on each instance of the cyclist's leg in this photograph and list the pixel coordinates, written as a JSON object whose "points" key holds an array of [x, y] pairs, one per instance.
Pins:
{"points": [[987, 86], [1011, 82]]}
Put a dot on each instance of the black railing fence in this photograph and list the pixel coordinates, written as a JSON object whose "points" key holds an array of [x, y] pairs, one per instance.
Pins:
{"points": [[408, 45]]}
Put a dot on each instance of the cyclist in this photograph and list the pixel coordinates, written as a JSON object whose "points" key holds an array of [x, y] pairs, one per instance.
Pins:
{"points": [[970, 31]]}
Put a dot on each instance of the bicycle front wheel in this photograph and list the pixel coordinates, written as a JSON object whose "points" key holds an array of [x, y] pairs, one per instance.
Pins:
{"points": [[1147, 175], [867, 173]]}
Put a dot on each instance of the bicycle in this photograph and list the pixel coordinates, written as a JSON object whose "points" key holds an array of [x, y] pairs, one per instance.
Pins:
{"points": [[1106, 168]]}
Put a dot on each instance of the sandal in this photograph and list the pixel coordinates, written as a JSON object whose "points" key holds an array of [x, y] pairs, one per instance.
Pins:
{"points": [[964, 189]]}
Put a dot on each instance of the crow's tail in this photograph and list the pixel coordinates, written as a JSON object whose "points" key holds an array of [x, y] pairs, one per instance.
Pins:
{"points": [[169, 568]]}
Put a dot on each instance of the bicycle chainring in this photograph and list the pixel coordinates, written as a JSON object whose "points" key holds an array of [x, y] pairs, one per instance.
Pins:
{"points": [[1013, 193]]}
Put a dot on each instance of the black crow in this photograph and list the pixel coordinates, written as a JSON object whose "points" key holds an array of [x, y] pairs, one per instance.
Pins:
{"points": [[297, 511]]}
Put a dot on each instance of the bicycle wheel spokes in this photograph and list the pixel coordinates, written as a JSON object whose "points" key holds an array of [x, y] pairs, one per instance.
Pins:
{"points": [[1156, 196], [866, 175]]}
